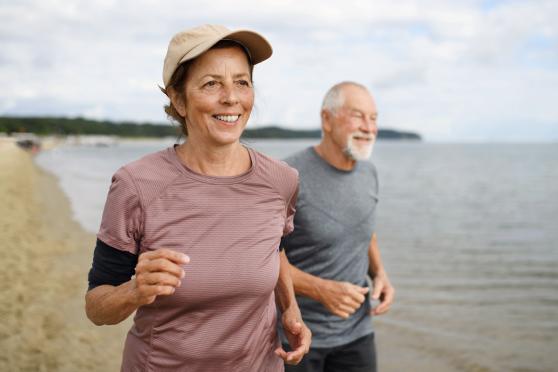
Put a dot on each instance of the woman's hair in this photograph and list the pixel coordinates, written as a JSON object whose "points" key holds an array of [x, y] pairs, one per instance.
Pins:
{"points": [[178, 82]]}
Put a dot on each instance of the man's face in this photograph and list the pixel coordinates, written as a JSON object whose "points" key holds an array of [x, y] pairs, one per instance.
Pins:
{"points": [[353, 125]]}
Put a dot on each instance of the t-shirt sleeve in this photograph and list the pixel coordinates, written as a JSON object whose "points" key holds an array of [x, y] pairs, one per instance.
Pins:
{"points": [[291, 206], [121, 223]]}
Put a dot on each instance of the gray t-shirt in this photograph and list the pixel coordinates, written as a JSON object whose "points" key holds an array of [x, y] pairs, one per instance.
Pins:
{"points": [[334, 222]]}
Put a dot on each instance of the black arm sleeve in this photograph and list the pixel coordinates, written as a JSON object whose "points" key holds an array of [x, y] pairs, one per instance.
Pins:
{"points": [[283, 243], [111, 266]]}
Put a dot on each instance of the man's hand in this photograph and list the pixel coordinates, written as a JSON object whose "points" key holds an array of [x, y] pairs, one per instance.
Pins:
{"points": [[158, 273], [384, 292], [341, 298], [298, 335]]}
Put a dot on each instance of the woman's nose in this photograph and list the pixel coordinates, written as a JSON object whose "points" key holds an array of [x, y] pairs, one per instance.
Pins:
{"points": [[229, 96]]}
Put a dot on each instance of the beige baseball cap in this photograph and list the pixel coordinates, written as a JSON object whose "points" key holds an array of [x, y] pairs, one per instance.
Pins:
{"points": [[191, 43]]}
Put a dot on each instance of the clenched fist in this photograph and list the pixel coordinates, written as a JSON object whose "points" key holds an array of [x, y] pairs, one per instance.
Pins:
{"points": [[158, 273], [341, 298]]}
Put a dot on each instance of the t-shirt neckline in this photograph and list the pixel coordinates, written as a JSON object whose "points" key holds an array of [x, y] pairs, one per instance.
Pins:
{"points": [[327, 166], [216, 180]]}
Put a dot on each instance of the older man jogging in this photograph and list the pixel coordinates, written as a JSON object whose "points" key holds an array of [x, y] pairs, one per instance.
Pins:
{"points": [[333, 247]]}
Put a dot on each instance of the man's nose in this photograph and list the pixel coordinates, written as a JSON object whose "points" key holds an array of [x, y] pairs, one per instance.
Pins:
{"points": [[369, 126]]}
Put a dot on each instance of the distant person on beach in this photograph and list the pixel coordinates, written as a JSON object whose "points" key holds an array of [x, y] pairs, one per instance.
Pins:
{"points": [[333, 247], [190, 235]]}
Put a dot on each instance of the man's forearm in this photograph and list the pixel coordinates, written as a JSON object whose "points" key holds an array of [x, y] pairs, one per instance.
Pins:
{"points": [[305, 284], [339, 297], [376, 267]]}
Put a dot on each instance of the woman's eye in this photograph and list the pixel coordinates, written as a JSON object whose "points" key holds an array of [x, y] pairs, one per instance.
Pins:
{"points": [[244, 83], [211, 84]]}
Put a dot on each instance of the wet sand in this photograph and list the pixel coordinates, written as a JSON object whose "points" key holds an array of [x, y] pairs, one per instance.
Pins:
{"points": [[45, 257]]}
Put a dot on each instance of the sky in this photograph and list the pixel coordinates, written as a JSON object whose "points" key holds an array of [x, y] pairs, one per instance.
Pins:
{"points": [[453, 71]]}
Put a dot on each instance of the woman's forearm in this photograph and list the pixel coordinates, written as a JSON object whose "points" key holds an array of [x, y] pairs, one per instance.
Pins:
{"points": [[284, 292], [158, 273], [107, 304]]}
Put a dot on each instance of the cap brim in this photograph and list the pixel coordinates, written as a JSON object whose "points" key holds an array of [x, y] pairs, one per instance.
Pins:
{"points": [[258, 47]]}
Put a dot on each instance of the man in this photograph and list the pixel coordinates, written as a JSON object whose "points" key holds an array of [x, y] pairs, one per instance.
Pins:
{"points": [[333, 247]]}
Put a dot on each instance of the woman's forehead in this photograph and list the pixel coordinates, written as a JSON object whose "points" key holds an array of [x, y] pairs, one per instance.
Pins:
{"points": [[230, 60]]}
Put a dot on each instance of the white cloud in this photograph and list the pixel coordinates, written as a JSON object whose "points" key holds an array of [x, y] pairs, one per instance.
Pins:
{"points": [[449, 70]]}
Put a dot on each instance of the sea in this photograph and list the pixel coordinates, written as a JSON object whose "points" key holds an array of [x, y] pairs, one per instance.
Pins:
{"points": [[468, 234]]}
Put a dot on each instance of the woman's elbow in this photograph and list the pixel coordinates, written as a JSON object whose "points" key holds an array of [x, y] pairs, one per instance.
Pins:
{"points": [[91, 308]]}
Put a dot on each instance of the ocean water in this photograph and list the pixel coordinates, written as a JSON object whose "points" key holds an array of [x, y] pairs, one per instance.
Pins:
{"points": [[468, 234]]}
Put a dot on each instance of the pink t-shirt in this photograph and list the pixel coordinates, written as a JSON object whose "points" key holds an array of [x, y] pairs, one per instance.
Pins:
{"points": [[223, 316]]}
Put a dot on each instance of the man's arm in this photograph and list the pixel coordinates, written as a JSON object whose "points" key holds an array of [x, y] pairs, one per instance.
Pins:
{"points": [[383, 290], [340, 298], [297, 333]]}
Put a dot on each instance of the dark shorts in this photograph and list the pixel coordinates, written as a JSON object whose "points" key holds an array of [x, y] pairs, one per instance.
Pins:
{"points": [[357, 356]]}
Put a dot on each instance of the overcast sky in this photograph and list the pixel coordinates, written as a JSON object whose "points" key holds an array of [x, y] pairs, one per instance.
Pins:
{"points": [[466, 70]]}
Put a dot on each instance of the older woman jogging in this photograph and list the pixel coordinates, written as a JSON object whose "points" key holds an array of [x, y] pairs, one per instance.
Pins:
{"points": [[190, 235]]}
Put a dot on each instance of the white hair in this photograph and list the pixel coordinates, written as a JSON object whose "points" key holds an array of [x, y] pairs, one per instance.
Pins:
{"points": [[334, 97]]}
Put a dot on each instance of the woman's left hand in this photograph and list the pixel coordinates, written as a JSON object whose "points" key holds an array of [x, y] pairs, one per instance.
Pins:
{"points": [[298, 335]]}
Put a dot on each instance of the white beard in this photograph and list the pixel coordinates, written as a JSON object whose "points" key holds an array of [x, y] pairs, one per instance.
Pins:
{"points": [[359, 152]]}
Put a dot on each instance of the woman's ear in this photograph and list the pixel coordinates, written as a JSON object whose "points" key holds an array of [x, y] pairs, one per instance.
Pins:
{"points": [[177, 101]]}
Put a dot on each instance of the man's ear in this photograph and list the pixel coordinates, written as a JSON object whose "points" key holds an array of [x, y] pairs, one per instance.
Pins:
{"points": [[177, 101], [327, 117]]}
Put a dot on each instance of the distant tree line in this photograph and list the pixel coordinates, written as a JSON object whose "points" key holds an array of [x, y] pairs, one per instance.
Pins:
{"points": [[81, 126]]}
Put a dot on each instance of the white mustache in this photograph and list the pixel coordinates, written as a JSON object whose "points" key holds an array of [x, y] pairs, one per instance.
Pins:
{"points": [[362, 135]]}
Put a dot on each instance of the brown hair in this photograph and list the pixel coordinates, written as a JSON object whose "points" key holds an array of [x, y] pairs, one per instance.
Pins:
{"points": [[178, 82]]}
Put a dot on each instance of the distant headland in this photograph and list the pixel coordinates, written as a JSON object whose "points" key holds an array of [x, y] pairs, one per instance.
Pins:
{"points": [[80, 126]]}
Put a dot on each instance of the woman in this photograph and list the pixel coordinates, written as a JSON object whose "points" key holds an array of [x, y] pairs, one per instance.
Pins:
{"points": [[205, 218]]}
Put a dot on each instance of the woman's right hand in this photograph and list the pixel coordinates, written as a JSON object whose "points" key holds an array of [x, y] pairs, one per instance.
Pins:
{"points": [[158, 272]]}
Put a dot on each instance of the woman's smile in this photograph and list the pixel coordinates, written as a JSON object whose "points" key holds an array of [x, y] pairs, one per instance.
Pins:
{"points": [[227, 119]]}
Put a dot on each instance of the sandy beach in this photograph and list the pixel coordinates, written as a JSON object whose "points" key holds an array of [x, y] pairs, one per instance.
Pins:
{"points": [[44, 265]]}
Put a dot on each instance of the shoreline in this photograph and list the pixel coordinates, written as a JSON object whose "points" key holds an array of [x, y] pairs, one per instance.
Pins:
{"points": [[46, 257]]}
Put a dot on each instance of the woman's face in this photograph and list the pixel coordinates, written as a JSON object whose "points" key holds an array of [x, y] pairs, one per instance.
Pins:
{"points": [[218, 96]]}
